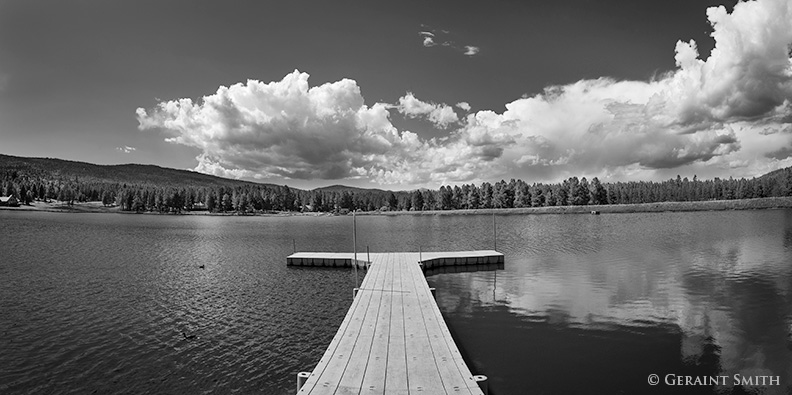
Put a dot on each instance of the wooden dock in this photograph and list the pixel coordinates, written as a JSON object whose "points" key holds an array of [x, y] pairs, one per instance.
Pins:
{"points": [[393, 339]]}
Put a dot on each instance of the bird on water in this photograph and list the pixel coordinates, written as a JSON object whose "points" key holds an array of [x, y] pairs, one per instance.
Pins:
{"points": [[189, 337], [202, 267]]}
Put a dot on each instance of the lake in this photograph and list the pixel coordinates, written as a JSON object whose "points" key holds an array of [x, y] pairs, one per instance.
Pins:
{"points": [[113, 303]]}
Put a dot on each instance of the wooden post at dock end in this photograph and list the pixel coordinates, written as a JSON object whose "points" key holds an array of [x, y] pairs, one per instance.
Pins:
{"points": [[481, 380], [368, 258], [434, 292], [302, 377], [354, 292]]}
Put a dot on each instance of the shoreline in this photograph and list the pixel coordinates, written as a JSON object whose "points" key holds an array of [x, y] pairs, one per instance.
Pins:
{"points": [[710, 205], [658, 207]]}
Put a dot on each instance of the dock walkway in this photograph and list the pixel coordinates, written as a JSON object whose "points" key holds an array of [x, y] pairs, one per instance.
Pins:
{"points": [[393, 339]]}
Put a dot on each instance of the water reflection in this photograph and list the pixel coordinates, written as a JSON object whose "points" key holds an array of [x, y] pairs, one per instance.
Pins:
{"points": [[713, 285], [485, 267]]}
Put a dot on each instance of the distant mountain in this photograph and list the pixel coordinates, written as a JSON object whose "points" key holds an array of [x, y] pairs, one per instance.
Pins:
{"points": [[342, 188], [55, 169], [778, 175]]}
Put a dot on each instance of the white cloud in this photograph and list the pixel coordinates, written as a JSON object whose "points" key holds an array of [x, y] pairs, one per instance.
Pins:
{"points": [[428, 39], [730, 113], [284, 128], [471, 50], [126, 149], [717, 112], [441, 115], [443, 38]]}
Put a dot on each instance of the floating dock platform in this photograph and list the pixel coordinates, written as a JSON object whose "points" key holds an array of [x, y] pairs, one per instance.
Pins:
{"points": [[393, 339]]}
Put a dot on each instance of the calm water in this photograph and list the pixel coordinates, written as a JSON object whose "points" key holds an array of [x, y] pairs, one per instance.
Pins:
{"points": [[585, 304]]}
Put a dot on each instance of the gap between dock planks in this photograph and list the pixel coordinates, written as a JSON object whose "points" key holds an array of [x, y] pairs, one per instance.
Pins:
{"points": [[393, 339]]}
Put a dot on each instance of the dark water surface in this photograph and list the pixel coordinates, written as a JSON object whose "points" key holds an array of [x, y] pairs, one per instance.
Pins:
{"points": [[585, 304]]}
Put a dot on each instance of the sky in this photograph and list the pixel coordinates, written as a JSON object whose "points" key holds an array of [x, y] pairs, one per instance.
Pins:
{"points": [[402, 95]]}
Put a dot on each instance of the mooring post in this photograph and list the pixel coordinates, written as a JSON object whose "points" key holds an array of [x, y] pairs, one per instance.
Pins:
{"points": [[368, 258], [420, 256], [302, 377], [481, 380], [434, 292]]}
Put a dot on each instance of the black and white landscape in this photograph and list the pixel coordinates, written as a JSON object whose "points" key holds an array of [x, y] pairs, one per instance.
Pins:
{"points": [[159, 161]]}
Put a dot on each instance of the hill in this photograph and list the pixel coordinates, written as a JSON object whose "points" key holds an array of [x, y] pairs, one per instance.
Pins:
{"points": [[342, 188], [60, 169]]}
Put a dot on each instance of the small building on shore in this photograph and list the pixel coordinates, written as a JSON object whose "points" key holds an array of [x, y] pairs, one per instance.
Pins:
{"points": [[9, 201]]}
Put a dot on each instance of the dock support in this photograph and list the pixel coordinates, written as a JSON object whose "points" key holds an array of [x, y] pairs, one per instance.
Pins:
{"points": [[481, 380], [302, 377]]}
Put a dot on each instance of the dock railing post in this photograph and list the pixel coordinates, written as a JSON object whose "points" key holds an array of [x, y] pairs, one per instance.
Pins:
{"points": [[354, 246], [494, 233]]}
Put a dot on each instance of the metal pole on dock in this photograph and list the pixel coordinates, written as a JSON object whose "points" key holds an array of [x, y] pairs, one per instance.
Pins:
{"points": [[494, 233], [368, 258], [354, 246]]}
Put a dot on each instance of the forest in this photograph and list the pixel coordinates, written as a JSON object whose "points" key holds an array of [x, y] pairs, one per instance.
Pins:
{"points": [[30, 184]]}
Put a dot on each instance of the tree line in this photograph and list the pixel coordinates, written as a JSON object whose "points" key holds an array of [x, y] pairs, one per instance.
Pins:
{"points": [[254, 198]]}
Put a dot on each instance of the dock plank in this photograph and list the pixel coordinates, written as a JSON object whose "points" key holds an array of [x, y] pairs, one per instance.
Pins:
{"points": [[455, 379], [376, 369], [330, 379], [396, 370], [352, 379]]}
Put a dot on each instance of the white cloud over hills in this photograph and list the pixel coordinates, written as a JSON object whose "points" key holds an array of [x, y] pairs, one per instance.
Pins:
{"points": [[441, 115], [730, 111]]}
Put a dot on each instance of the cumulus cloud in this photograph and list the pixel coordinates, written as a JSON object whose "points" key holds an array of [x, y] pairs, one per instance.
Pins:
{"points": [[126, 149], [287, 129], [706, 111], [732, 110], [441, 115], [471, 50], [781, 153]]}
